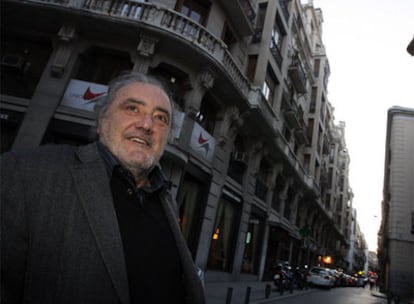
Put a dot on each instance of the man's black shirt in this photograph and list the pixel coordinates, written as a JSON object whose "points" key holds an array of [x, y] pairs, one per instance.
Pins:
{"points": [[153, 264]]}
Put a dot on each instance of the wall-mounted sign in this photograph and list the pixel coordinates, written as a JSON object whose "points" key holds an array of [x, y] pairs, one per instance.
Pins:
{"points": [[202, 142], [83, 95]]}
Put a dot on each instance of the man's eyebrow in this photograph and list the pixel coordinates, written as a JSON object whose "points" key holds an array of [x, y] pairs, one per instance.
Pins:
{"points": [[164, 110], [158, 108], [132, 100]]}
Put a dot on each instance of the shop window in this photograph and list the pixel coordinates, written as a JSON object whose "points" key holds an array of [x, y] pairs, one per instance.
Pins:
{"points": [[224, 236], [190, 204], [253, 244]]}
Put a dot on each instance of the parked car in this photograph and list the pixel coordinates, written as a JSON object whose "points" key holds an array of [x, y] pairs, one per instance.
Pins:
{"points": [[335, 276], [352, 281], [320, 276], [362, 281]]}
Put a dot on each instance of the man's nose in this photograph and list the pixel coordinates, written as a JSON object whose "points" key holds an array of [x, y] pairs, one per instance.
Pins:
{"points": [[146, 121]]}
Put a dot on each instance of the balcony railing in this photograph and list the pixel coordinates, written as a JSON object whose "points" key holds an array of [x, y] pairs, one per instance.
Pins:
{"points": [[297, 75], [168, 20], [292, 118], [301, 136]]}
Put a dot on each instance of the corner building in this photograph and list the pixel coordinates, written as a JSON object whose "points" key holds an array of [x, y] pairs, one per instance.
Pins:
{"points": [[396, 234], [257, 164]]}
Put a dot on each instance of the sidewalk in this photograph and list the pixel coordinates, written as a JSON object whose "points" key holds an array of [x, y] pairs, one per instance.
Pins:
{"points": [[378, 294], [218, 292]]}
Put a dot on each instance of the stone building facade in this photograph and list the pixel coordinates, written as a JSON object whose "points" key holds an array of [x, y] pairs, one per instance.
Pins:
{"points": [[396, 235], [258, 165]]}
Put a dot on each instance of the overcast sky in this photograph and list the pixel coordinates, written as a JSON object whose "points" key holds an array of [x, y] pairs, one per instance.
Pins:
{"points": [[371, 71]]}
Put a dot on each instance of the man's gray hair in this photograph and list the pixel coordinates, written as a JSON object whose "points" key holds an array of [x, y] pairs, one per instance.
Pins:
{"points": [[124, 79]]}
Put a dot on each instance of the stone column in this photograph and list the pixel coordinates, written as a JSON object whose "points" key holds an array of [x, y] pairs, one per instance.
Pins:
{"points": [[229, 126], [145, 50], [283, 196], [294, 208], [49, 91], [204, 82]]}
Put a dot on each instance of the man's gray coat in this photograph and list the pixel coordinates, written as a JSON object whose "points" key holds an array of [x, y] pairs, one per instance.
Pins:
{"points": [[60, 241]]}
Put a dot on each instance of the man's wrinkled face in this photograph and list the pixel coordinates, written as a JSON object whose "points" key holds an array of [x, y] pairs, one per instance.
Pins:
{"points": [[136, 125]]}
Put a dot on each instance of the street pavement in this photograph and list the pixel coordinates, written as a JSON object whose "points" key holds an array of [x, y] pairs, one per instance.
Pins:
{"points": [[238, 293], [218, 292]]}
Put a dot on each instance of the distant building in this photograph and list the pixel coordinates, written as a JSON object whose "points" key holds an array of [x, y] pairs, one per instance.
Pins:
{"points": [[372, 261], [357, 253], [396, 235]]}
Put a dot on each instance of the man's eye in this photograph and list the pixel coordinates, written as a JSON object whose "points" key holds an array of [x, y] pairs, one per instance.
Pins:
{"points": [[162, 118], [132, 108]]}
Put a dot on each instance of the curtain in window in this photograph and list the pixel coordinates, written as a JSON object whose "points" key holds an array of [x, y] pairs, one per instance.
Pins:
{"points": [[187, 202]]}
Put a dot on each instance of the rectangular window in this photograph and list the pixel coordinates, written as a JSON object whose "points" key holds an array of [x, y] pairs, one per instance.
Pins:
{"points": [[310, 130], [266, 90], [313, 100], [278, 33], [196, 10], [253, 244], [316, 67], [191, 201], [224, 236], [269, 86], [189, 210], [251, 67]]}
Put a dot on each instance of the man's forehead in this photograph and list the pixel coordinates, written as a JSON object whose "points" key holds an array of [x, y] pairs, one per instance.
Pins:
{"points": [[143, 89]]}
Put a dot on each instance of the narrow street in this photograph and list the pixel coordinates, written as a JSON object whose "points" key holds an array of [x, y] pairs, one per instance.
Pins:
{"points": [[340, 295]]}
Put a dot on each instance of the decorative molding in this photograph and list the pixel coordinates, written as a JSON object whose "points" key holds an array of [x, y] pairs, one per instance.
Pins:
{"points": [[66, 34], [146, 45]]}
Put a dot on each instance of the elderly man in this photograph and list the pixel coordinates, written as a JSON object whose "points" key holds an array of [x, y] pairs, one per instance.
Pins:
{"points": [[96, 224]]}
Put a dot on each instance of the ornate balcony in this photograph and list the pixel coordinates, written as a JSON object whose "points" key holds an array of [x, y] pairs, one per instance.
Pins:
{"points": [[242, 13], [297, 75], [157, 18], [301, 136]]}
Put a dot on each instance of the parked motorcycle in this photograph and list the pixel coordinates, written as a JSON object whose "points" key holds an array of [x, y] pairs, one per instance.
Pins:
{"points": [[300, 278], [283, 279]]}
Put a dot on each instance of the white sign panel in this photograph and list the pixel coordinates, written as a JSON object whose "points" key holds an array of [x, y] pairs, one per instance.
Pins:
{"points": [[202, 142], [83, 95]]}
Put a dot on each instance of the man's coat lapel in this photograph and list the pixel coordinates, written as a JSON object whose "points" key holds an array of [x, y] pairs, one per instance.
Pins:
{"points": [[95, 194]]}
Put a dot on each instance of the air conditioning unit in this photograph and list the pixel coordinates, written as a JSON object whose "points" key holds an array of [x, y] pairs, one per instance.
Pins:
{"points": [[241, 157], [13, 61]]}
